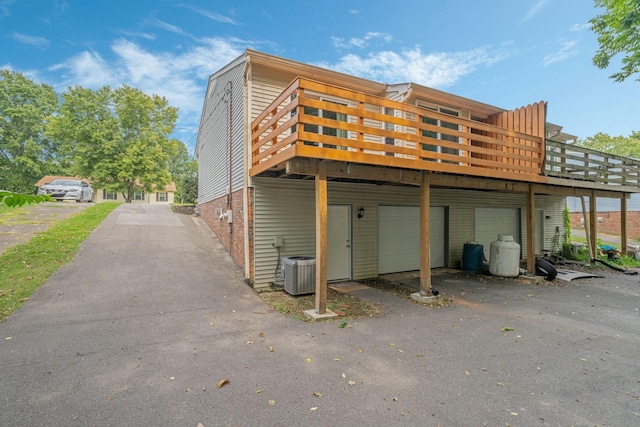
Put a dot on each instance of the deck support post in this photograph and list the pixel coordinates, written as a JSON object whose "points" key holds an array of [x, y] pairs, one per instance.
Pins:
{"points": [[531, 231], [425, 247], [623, 225], [593, 225], [321, 238]]}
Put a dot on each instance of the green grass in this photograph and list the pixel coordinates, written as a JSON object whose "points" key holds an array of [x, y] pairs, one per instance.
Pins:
{"points": [[9, 215], [24, 268]]}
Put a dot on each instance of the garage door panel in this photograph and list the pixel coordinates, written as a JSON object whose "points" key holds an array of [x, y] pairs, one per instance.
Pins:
{"points": [[399, 238]]}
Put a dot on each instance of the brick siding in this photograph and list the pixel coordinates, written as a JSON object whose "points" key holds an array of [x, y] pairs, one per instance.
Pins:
{"points": [[231, 235], [609, 223]]}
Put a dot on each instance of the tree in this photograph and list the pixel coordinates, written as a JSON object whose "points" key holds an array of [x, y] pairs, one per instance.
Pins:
{"points": [[618, 31], [119, 139], [25, 152], [184, 172], [16, 200], [619, 145]]}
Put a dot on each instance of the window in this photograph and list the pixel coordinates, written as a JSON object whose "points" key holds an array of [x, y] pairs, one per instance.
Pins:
{"points": [[326, 130], [109, 195], [162, 197], [138, 195], [389, 126], [441, 134]]}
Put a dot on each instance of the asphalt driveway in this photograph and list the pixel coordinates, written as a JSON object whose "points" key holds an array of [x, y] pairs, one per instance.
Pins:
{"points": [[153, 314]]}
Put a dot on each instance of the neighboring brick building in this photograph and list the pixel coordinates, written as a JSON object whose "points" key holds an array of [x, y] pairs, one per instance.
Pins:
{"points": [[608, 216]]}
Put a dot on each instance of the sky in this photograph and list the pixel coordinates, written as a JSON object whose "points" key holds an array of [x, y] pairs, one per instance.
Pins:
{"points": [[504, 53]]}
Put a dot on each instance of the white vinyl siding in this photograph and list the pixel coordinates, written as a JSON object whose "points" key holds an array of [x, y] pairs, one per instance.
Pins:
{"points": [[492, 222], [287, 208], [217, 164]]}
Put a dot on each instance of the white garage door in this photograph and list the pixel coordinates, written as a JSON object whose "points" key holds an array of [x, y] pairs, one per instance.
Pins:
{"points": [[399, 238], [490, 222]]}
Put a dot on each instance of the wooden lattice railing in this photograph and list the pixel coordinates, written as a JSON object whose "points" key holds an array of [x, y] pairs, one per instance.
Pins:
{"points": [[321, 121], [575, 162]]}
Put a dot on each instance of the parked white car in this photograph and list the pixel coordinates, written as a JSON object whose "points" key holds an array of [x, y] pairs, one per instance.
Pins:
{"points": [[68, 189]]}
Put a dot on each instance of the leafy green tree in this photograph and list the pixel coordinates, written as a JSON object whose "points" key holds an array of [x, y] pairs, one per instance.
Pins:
{"points": [[118, 138], [618, 30], [184, 172], [619, 145], [15, 200], [25, 152]]}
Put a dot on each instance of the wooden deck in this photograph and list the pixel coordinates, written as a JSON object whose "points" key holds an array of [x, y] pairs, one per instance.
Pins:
{"points": [[313, 120]]}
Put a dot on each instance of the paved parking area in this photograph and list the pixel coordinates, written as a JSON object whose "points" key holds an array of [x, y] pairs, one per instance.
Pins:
{"points": [[153, 314], [20, 227]]}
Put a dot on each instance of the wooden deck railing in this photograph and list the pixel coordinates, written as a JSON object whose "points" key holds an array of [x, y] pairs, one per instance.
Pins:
{"points": [[316, 120], [575, 162]]}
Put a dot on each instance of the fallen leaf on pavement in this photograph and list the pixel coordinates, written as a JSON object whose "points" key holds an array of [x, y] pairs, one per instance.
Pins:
{"points": [[352, 383], [317, 394], [315, 408], [272, 402], [223, 382]]}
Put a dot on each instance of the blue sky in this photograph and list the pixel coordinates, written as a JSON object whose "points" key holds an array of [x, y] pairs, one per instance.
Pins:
{"points": [[503, 53]]}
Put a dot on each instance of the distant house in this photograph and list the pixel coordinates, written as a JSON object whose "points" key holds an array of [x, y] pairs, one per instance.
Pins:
{"points": [[48, 178], [166, 196]]}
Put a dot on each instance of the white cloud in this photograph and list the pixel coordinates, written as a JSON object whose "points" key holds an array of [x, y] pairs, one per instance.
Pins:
{"points": [[87, 69], [4, 7], [535, 9], [214, 16], [30, 40], [360, 42], [433, 69], [566, 51], [179, 76], [168, 27], [579, 27], [139, 34]]}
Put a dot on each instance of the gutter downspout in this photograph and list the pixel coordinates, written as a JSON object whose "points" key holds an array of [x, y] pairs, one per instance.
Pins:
{"points": [[246, 108]]}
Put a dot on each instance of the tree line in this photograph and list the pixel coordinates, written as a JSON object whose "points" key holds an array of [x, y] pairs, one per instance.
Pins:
{"points": [[119, 139]]}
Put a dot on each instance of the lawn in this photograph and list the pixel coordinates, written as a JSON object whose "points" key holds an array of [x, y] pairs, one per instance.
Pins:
{"points": [[24, 268]]}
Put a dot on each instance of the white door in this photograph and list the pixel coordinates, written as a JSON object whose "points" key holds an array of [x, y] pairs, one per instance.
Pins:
{"points": [[339, 242], [490, 222], [399, 238]]}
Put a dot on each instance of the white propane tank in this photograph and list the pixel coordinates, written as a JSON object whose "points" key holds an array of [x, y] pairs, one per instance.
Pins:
{"points": [[504, 258]]}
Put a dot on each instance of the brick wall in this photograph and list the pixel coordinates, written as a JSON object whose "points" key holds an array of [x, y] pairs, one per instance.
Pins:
{"points": [[230, 235], [609, 223]]}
